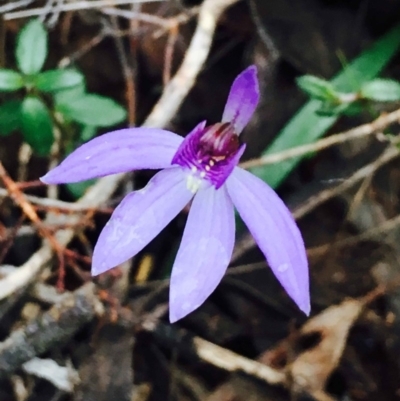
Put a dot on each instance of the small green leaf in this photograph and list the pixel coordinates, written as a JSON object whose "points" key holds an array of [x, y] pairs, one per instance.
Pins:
{"points": [[37, 126], [87, 133], [93, 110], [56, 80], [78, 189], [31, 51], [332, 109], [316, 87], [70, 94], [10, 80], [10, 117], [382, 90], [353, 109]]}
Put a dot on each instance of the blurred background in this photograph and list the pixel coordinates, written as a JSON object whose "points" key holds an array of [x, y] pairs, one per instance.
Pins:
{"points": [[329, 76]]}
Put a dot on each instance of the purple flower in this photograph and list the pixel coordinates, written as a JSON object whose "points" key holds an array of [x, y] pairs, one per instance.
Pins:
{"points": [[202, 167]]}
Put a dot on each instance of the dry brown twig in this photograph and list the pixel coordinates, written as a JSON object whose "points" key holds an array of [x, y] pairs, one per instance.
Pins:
{"points": [[387, 156], [15, 4], [47, 203], [361, 131], [28, 210], [72, 6], [128, 73], [164, 24], [372, 233], [212, 353]]}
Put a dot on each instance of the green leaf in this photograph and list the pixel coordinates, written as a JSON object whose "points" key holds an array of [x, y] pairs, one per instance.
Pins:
{"points": [[10, 80], [87, 133], [78, 189], [382, 90], [307, 126], [332, 109], [56, 80], [37, 126], [31, 51], [93, 110], [69, 95], [353, 109], [316, 87], [10, 117]]}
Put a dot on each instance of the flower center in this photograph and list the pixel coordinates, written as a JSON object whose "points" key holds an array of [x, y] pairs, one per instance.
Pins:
{"points": [[219, 141], [210, 153]]}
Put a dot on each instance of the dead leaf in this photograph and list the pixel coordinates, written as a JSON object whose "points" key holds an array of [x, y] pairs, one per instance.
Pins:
{"points": [[312, 368]]}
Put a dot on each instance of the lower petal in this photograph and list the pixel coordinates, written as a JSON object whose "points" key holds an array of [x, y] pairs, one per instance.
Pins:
{"points": [[205, 252], [139, 218], [275, 231]]}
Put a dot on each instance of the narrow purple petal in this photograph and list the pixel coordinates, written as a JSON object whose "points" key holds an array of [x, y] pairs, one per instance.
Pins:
{"points": [[205, 252], [275, 231], [117, 152], [242, 99], [139, 218]]}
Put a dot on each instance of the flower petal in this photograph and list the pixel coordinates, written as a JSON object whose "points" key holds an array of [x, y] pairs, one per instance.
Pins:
{"points": [[139, 218], [243, 99], [205, 252], [275, 231], [117, 152]]}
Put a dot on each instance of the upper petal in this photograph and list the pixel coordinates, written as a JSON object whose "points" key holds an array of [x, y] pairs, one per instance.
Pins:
{"points": [[139, 218], [243, 99], [117, 152], [275, 231], [205, 252]]}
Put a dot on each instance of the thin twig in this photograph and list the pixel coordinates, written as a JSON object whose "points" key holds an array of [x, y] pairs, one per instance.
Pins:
{"points": [[129, 75], [143, 17], [388, 225], [27, 208], [24, 156], [72, 58], [179, 19], [73, 6], [323, 196], [169, 53], [359, 132], [212, 353], [55, 203], [16, 4]]}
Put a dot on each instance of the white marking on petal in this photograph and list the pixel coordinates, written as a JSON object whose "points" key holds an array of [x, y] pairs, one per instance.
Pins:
{"points": [[193, 183], [284, 267]]}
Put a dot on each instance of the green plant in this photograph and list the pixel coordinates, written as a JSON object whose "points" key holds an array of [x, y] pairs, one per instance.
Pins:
{"points": [[46, 101], [334, 102], [307, 125]]}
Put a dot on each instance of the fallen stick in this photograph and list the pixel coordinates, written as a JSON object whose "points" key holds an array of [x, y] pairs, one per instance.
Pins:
{"points": [[54, 327]]}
